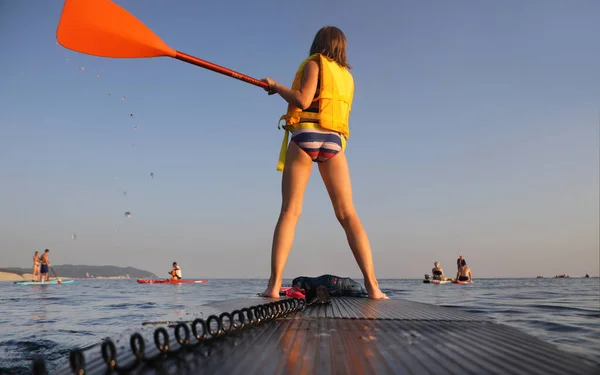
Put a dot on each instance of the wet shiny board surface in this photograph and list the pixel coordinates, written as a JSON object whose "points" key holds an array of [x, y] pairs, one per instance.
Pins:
{"points": [[357, 336]]}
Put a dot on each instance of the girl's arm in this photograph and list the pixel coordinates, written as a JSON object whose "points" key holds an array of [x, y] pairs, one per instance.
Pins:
{"points": [[302, 97]]}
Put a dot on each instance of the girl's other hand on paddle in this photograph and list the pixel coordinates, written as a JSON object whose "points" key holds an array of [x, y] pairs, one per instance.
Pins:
{"points": [[272, 85]]}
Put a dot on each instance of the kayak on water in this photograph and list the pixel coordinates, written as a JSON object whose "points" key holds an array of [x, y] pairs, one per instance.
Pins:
{"points": [[183, 281], [51, 282]]}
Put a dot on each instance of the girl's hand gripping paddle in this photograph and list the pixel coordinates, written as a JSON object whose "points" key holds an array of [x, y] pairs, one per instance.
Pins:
{"points": [[102, 28]]}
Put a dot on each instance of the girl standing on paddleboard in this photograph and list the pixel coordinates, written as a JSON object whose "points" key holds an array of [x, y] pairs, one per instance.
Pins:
{"points": [[36, 266], [319, 104]]}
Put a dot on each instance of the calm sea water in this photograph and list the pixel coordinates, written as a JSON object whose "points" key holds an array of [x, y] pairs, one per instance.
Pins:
{"points": [[50, 320]]}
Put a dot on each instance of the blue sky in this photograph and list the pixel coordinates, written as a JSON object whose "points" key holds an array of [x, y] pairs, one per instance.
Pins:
{"points": [[475, 128]]}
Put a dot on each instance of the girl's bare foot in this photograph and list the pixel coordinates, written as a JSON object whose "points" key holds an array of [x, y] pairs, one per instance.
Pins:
{"points": [[271, 291], [374, 292]]}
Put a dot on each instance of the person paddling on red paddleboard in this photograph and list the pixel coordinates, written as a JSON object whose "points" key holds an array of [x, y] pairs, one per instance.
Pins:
{"points": [[175, 272], [319, 105]]}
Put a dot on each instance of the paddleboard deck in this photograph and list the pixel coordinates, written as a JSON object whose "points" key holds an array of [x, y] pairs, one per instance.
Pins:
{"points": [[346, 336], [51, 282], [437, 282], [462, 282], [158, 281]]}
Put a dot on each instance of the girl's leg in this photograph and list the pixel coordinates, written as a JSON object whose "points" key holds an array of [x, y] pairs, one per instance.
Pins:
{"points": [[336, 176], [296, 173]]}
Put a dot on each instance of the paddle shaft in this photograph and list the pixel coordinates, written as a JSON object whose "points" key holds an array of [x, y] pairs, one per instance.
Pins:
{"points": [[60, 282], [219, 69]]}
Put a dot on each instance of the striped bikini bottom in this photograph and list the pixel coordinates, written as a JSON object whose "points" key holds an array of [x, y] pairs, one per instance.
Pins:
{"points": [[320, 145]]}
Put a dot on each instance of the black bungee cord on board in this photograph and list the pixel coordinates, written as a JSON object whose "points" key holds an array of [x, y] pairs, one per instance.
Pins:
{"points": [[204, 332]]}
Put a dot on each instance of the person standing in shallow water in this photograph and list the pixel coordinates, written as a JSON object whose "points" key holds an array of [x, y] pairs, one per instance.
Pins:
{"points": [[319, 105]]}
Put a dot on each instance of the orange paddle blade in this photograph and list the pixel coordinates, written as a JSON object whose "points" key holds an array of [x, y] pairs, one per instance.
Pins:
{"points": [[103, 28]]}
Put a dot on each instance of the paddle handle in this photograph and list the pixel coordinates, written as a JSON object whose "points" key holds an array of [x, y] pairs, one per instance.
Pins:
{"points": [[219, 69]]}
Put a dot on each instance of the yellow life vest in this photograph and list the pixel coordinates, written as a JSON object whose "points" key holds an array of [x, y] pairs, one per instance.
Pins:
{"points": [[330, 108]]}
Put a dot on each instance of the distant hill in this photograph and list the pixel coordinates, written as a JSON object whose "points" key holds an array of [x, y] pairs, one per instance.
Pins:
{"points": [[81, 271]]}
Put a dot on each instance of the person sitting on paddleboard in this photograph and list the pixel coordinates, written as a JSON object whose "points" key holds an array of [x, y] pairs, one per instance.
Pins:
{"points": [[438, 272], [464, 272], [319, 105], [45, 263], [175, 272]]}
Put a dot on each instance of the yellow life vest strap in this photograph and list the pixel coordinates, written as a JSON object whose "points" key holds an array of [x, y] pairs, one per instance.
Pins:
{"points": [[284, 144]]}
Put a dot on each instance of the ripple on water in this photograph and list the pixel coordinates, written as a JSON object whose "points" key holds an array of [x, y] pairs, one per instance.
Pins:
{"points": [[566, 309], [17, 354], [548, 326], [141, 305]]}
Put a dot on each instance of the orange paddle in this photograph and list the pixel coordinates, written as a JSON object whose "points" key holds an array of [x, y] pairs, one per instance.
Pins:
{"points": [[102, 28]]}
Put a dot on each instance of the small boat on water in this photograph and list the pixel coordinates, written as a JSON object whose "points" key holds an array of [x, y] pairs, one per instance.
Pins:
{"points": [[563, 276]]}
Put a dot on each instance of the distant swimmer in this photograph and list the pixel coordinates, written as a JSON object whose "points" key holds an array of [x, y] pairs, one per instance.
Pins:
{"points": [[464, 272], [36, 266], [175, 272], [45, 263], [438, 272]]}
